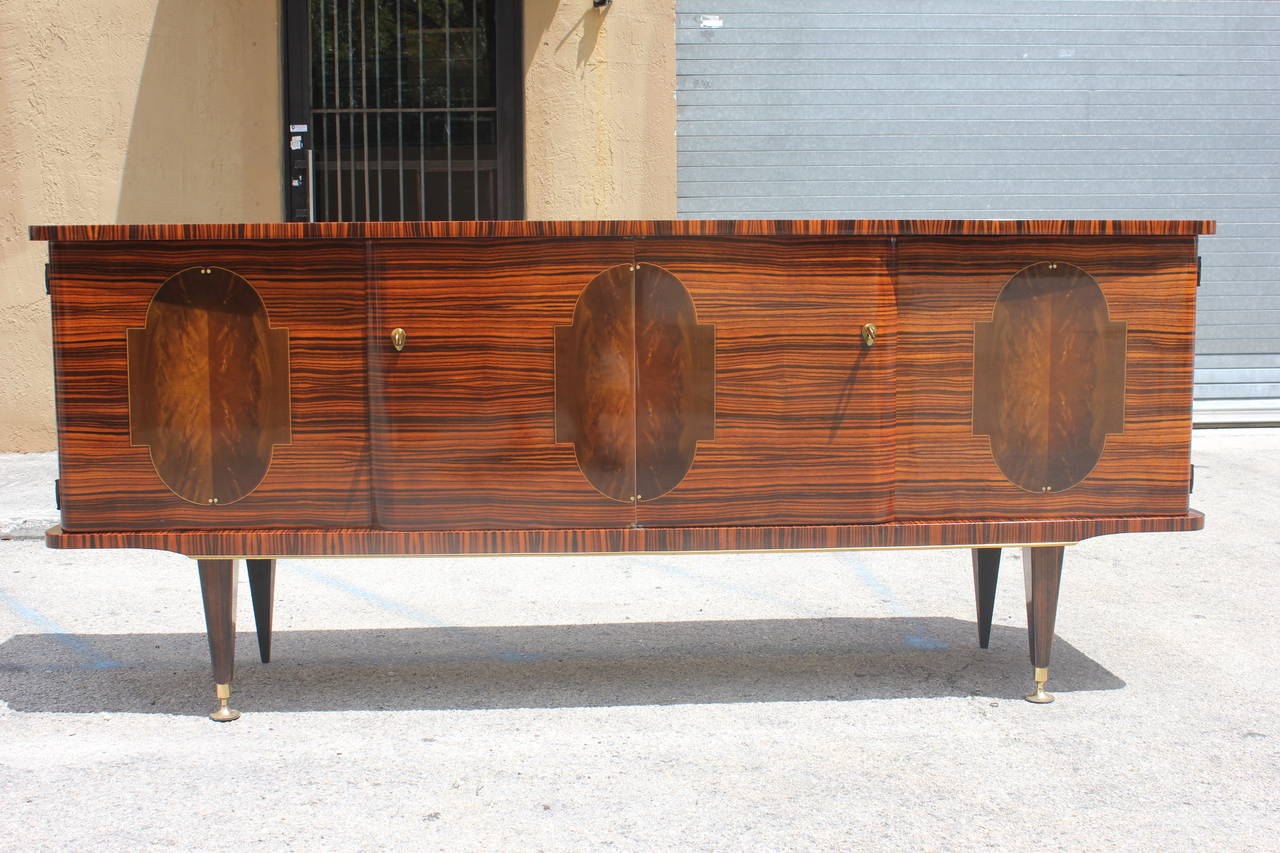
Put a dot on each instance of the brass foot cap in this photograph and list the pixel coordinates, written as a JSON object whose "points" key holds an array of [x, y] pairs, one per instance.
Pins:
{"points": [[224, 714], [1040, 697]]}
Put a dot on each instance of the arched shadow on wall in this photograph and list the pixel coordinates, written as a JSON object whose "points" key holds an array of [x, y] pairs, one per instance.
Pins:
{"points": [[560, 666], [204, 142]]}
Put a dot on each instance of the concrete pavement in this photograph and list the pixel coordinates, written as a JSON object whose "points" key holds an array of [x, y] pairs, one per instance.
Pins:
{"points": [[26, 494], [830, 701]]}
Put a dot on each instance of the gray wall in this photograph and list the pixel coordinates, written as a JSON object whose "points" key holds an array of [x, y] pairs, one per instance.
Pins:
{"points": [[1160, 109]]}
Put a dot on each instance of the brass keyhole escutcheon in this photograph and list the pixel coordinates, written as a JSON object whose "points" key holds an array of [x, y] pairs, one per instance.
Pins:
{"points": [[868, 333], [398, 338]]}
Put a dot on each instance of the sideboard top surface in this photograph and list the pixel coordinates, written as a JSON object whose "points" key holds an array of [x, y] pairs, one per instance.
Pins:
{"points": [[629, 228]]}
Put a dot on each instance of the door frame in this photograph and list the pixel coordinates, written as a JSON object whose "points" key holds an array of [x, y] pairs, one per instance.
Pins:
{"points": [[296, 145]]}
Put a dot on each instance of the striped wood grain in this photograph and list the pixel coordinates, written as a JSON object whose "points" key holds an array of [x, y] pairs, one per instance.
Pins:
{"points": [[621, 228], [803, 410], [599, 540], [812, 429], [946, 286], [463, 418], [314, 290]]}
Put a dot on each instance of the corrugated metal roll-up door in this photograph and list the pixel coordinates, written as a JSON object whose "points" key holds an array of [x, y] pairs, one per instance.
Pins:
{"points": [[1130, 109]]}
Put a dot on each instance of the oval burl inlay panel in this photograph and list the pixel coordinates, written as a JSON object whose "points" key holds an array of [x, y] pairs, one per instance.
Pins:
{"points": [[635, 382], [208, 386], [1049, 373]]}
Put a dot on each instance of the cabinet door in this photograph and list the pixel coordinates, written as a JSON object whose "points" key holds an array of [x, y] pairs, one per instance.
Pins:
{"points": [[465, 425], [1044, 376], [210, 385], [799, 427]]}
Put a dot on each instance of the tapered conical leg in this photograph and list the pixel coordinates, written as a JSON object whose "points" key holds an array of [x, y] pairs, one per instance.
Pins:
{"points": [[986, 570], [262, 589], [1042, 568], [218, 588]]}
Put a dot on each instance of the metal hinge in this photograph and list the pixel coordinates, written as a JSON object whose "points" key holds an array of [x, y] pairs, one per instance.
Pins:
{"points": [[48, 288], [57, 493], [1191, 483], [1199, 269]]}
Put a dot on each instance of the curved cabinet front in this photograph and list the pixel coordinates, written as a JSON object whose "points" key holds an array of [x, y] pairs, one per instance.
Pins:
{"points": [[605, 383], [579, 383]]}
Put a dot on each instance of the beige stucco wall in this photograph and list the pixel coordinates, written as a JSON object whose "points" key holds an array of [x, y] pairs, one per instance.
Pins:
{"points": [[600, 112], [122, 111]]}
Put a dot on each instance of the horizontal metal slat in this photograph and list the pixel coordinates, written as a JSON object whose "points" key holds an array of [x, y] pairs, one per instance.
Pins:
{"points": [[1238, 332], [820, 77], [943, 125], [1045, 67], [1212, 143], [1128, 113], [1236, 346], [1242, 229], [1109, 98], [1232, 163], [1209, 304], [1209, 320], [1217, 361], [1237, 375], [1247, 391], [1225, 191], [1224, 269], [1160, 206], [958, 33], [1056, 48], [917, 208], [1024, 16], [1233, 244], [964, 8], [1159, 174]]}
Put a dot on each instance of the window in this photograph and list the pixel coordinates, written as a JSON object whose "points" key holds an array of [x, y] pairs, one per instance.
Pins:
{"points": [[403, 109]]}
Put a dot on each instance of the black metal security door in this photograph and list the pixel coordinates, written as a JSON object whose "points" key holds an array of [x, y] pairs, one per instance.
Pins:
{"points": [[403, 109]]}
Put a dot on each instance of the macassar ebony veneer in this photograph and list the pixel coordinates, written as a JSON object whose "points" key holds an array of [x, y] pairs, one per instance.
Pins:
{"points": [[265, 391]]}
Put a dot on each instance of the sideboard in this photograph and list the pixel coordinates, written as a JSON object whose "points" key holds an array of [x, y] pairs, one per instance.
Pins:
{"points": [[262, 391]]}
